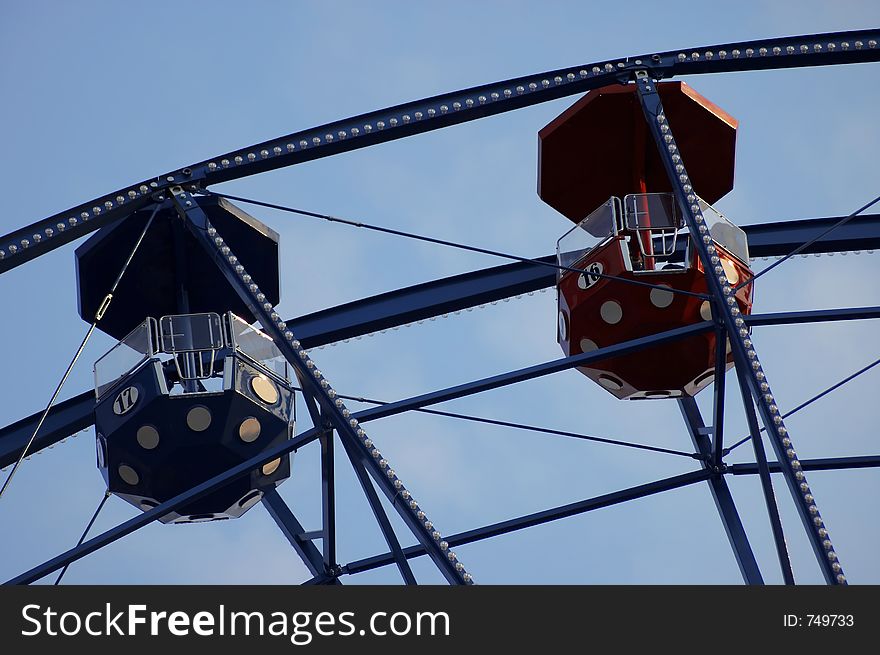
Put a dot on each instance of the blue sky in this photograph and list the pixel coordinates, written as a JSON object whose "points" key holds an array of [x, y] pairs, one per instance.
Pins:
{"points": [[101, 94]]}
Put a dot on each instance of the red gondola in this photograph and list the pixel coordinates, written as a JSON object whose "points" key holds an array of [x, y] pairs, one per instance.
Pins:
{"points": [[601, 145]]}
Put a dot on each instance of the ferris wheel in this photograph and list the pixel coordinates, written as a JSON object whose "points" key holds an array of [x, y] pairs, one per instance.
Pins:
{"points": [[195, 407]]}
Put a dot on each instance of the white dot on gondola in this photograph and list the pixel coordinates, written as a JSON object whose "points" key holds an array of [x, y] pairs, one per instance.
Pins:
{"points": [[250, 499], [611, 312], [264, 389], [588, 345], [610, 382], [128, 474], [730, 271], [661, 298], [249, 430], [148, 437], [706, 310], [703, 379], [198, 419]]}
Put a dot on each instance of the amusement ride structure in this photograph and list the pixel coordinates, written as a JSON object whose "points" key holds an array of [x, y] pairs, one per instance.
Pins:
{"points": [[194, 407]]}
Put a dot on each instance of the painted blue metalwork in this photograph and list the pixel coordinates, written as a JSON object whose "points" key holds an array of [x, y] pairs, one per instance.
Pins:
{"points": [[67, 226], [64, 419], [779, 238], [478, 102], [139, 521], [313, 434], [421, 301], [718, 393], [438, 112], [328, 500], [505, 527], [77, 413], [819, 464], [328, 484], [293, 530], [766, 482], [405, 120], [733, 527], [380, 516], [538, 518], [813, 316], [314, 384], [726, 309], [304, 438], [459, 292], [531, 372]]}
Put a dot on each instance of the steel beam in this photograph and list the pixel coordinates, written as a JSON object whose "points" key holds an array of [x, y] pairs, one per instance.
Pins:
{"points": [[531, 372], [718, 399], [459, 292], [821, 464], [422, 301], [733, 527], [78, 413], [777, 239], [328, 500], [320, 580], [813, 316], [316, 385], [766, 482], [17, 434], [139, 521], [381, 518], [311, 435], [539, 518], [328, 482], [64, 419], [442, 111], [478, 102], [44, 236], [728, 313], [293, 530]]}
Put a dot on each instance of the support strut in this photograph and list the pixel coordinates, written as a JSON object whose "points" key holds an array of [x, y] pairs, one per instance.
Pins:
{"points": [[726, 309], [316, 385], [736, 532]]}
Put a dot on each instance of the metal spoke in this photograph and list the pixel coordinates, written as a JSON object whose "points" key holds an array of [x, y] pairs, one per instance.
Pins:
{"points": [[327, 408], [454, 244], [539, 518], [316, 385], [806, 244], [724, 503], [534, 428], [818, 396], [296, 535], [85, 533], [380, 516], [136, 523], [728, 312], [439, 112], [766, 482], [105, 305]]}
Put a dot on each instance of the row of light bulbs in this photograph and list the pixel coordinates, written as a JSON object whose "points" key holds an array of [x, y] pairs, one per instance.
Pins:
{"points": [[777, 51], [778, 429], [312, 140], [424, 524]]}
